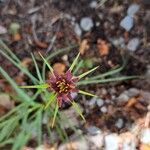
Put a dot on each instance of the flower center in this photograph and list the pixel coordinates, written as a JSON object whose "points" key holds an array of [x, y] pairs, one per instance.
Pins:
{"points": [[62, 86]]}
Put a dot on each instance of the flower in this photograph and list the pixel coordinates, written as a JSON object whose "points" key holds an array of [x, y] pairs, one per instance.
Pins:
{"points": [[63, 85]]}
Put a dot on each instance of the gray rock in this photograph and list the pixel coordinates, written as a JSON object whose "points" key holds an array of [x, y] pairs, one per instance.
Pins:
{"points": [[103, 109], [133, 44], [127, 23], [77, 30], [93, 4], [119, 123], [112, 142], [3, 30], [145, 136], [123, 97], [100, 102], [92, 130], [92, 102], [133, 9], [86, 23]]}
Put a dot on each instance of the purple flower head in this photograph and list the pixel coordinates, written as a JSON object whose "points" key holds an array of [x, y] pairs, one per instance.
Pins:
{"points": [[63, 85]]}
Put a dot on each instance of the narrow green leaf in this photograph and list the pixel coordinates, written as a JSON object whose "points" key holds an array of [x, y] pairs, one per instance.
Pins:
{"points": [[86, 73], [23, 96], [85, 82], [74, 62], [18, 65], [51, 99], [55, 114], [3, 46], [42, 86], [86, 93], [80, 64], [37, 69], [46, 62], [77, 108]]}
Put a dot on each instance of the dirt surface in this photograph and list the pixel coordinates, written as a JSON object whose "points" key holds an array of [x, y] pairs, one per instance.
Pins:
{"points": [[49, 25]]}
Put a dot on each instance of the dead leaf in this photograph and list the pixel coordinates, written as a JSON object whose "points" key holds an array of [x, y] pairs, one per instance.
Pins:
{"points": [[83, 46], [144, 147], [59, 68], [131, 102], [6, 102], [16, 37], [41, 44], [26, 62], [102, 47]]}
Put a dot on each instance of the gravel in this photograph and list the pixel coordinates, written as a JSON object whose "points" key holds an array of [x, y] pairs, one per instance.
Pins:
{"points": [[119, 123], [103, 109], [93, 130], [100, 102], [133, 8], [133, 44], [112, 142], [86, 23], [77, 30], [127, 23], [145, 136]]}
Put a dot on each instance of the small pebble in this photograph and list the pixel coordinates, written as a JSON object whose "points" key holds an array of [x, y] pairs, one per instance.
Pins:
{"points": [[86, 23], [127, 23], [3, 30], [112, 142], [133, 44], [92, 130], [123, 97], [103, 109], [92, 102], [100, 102], [133, 9], [119, 123], [145, 136], [93, 4], [77, 30], [74, 94]]}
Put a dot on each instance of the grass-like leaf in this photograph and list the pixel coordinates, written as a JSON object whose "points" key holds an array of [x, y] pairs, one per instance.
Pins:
{"points": [[46, 62], [18, 65], [23, 96], [77, 108], [85, 82], [51, 99], [37, 69], [87, 93], [55, 114], [74, 62], [79, 65], [41, 86], [86, 73]]}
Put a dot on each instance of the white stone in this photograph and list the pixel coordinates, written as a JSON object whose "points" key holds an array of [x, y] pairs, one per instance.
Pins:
{"points": [[77, 30], [92, 102], [86, 23], [133, 8], [112, 142], [100, 102], [127, 23], [145, 136], [97, 140], [103, 109], [93, 4], [119, 123], [123, 97], [92, 130], [133, 44], [3, 30]]}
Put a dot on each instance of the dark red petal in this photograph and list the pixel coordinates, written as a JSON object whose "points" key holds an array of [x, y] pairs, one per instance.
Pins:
{"points": [[57, 75], [59, 100], [68, 75]]}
